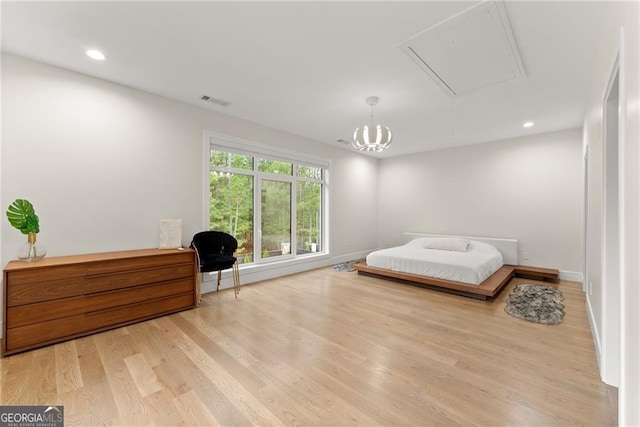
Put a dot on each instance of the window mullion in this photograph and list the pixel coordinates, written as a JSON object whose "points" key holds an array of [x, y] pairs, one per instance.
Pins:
{"points": [[294, 223]]}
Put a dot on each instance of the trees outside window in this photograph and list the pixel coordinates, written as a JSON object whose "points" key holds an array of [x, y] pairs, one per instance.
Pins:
{"points": [[274, 207]]}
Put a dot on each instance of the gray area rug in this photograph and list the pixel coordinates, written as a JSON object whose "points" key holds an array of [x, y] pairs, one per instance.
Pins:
{"points": [[346, 266], [535, 303]]}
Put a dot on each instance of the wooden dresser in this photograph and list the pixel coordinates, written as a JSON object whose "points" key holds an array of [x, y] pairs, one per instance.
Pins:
{"points": [[61, 298]]}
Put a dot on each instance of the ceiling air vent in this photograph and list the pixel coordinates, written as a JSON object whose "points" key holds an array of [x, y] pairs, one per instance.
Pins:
{"points": [[471, 50], [220, 102]]}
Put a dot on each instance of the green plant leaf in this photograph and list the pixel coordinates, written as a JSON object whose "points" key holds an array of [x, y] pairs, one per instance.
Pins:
{"points": [[22, 215]]}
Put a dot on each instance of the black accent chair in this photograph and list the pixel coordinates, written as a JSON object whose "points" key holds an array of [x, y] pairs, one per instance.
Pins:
{"points": [[216, 252]]}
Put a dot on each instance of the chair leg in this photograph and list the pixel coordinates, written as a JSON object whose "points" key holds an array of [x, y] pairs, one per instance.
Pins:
{"points": [[219, 277], [199, 289], [236, 279]]}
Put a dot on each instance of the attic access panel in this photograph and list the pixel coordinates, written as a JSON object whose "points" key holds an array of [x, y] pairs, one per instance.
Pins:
{"points": [[468, 51]]}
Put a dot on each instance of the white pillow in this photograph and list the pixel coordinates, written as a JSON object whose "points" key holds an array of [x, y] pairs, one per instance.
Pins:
{"points": [[447, 244]]}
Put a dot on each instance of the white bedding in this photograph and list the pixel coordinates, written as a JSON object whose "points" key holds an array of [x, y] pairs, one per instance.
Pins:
{"points": [[473, 267]]}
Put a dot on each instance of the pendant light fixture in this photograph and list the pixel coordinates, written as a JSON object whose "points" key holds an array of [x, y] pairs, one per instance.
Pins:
{"points": [[372, 137]]}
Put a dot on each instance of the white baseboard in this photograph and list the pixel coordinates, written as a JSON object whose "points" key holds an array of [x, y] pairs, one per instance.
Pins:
{"points": [[257, 273], [594, 334], [572, 276]]}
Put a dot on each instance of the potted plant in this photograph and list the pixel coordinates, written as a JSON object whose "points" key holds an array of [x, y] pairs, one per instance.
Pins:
{"points": [[22, 216]]}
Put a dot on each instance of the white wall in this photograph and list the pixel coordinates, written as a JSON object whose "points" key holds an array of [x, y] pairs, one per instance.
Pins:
{"points": [[526, 188], [621, 37], [103, 163]]}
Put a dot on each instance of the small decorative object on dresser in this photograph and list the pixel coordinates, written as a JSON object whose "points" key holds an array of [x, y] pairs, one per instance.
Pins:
{"points": [[22, 216], [170, 234]]}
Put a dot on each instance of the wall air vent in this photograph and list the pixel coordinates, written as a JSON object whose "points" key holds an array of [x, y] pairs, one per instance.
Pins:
{"points": [[220, 102], [468, 51]]}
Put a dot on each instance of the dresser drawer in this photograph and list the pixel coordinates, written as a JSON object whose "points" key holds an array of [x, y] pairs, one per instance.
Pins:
{"points": [[47, 290], [48, 310], [97, 267], [39, 334]]}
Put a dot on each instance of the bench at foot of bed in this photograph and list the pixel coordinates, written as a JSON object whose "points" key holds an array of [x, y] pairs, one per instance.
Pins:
{"points": [[544, 274]]}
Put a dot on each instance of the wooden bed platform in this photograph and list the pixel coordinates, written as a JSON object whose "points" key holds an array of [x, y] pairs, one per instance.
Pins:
{"points": [[487, 289]]}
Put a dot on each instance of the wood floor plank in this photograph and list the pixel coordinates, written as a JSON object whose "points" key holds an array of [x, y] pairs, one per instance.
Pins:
{"points": [[271, 390], [193, 411], [179, 373], [93, 403], [163, 409], [144, 346], [17, 388], [142, 374], [148, 337], [4, 379], [245, 402], [43, 379], [68, 376], [113, 349], [326, 348]]}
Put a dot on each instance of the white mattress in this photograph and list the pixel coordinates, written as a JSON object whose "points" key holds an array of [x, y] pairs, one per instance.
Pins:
{"points": [[473, 267]]}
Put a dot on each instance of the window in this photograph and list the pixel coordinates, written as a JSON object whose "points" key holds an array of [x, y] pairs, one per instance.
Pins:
{"points": [[272, 201]]}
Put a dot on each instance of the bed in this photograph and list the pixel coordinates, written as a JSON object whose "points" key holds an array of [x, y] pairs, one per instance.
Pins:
{"points": [[477, 267]]}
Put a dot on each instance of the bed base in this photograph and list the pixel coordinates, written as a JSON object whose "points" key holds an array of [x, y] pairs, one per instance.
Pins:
{"points": [[487, 289]]}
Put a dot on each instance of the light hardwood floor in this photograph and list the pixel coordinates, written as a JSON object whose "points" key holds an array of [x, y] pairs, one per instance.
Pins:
{"points": [[325, 348]]}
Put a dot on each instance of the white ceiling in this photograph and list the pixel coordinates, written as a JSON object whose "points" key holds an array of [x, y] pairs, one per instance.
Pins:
{"points": [[307, 67]]}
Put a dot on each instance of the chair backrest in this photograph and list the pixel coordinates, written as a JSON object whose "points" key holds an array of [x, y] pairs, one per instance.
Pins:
{"points": [[214, 242]]}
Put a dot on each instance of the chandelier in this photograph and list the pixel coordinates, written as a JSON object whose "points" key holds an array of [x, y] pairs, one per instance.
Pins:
{"points": [[369, 137]]}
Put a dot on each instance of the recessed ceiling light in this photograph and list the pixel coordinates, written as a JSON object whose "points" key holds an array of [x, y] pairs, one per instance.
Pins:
{"points": [[527, 125], [96, 54]]}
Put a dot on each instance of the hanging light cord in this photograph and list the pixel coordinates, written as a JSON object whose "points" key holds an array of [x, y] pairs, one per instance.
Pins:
{"points": [[373, 107]]}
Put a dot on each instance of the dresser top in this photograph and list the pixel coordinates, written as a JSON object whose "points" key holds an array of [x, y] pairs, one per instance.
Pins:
{"points": [[103, 256]]}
